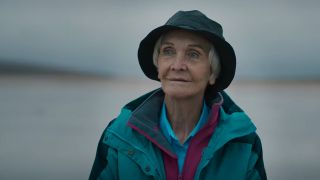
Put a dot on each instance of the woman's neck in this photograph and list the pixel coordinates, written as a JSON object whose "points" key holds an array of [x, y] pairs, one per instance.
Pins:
{"points": [[183, 115]]}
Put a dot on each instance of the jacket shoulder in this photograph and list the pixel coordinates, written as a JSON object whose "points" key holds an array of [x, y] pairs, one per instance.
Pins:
{"points": [[256, 164], [100, 161], [252, 139]]}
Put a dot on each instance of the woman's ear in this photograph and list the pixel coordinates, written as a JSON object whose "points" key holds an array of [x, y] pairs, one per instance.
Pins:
{"points": [[212, 79]]}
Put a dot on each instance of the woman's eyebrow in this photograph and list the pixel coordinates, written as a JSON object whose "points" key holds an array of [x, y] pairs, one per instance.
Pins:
{"points": [[199, 46], [190, 45], [166, 43]]}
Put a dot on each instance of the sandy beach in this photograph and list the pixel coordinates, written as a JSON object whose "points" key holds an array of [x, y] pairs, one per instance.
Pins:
{"points": [[50, 124]]}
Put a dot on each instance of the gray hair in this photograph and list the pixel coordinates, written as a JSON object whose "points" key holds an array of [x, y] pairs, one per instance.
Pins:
{"points": [[213, 57]]}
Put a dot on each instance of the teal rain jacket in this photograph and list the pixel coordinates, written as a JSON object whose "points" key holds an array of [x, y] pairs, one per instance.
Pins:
{"points": [[234, 151]]}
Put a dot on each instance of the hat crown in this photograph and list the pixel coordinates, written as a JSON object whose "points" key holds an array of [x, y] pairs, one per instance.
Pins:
{"points": [[195, 20]]}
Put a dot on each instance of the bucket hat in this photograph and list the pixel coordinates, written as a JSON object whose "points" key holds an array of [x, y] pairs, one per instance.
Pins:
{"points": [[196, 22]]}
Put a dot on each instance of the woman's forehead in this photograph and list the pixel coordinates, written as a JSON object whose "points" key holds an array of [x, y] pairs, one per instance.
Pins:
{"points": [[188, 37]]}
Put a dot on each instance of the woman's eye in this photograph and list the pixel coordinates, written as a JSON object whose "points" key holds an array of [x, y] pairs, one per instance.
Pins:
{"points": [[194, 55], [167, 51]]}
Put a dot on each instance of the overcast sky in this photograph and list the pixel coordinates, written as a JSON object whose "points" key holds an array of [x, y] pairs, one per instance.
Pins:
{"points": [[272, 39]]}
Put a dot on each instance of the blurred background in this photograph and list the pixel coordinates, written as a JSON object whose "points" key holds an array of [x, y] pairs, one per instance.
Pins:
{"points": [[67, 67]]}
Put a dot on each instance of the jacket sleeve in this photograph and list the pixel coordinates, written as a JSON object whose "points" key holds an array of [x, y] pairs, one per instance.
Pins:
{"points": [[104, 161], [256, 170]]}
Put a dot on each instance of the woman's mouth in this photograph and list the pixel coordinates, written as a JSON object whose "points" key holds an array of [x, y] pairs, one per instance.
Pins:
{"points": [[178, 79]]}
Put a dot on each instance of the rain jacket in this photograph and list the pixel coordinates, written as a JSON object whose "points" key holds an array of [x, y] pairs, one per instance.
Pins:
{"points": [[132, 146]]}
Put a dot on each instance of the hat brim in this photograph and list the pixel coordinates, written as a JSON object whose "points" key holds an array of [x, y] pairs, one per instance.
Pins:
{"points": [[225, 51]]}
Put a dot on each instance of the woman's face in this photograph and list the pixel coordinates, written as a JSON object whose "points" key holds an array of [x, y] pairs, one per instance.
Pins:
{"points": [[183, 64]]}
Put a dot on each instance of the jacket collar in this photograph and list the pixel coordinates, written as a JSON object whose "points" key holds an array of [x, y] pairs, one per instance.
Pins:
{"points": [[233, 123], [142, 115], [145, 119]]}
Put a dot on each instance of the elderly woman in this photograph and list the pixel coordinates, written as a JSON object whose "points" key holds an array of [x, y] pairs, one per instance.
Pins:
{"points": [[189, 128]]}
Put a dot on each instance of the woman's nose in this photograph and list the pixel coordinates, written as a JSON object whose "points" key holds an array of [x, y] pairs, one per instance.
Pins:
{"points": [[178, 63]]}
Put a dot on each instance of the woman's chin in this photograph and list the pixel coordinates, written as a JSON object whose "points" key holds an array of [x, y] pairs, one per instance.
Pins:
{"points": [[178, 93]]}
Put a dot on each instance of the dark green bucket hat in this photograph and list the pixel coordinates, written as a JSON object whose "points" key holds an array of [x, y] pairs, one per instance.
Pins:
{"points": [[197, 22]]}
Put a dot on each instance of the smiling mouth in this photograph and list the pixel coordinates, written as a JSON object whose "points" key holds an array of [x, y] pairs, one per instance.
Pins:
{"points": [[178, 80]]}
